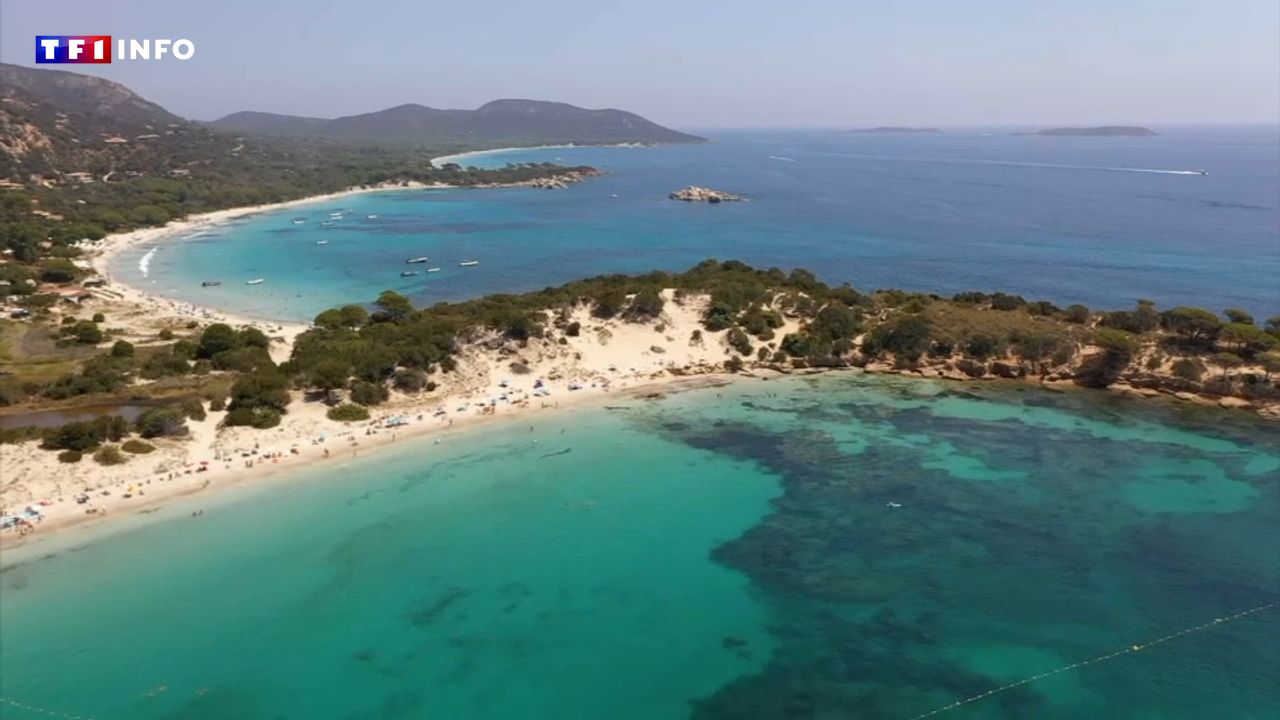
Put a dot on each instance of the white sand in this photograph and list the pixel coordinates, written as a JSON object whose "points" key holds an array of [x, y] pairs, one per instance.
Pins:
{"points": [[607, 357]]}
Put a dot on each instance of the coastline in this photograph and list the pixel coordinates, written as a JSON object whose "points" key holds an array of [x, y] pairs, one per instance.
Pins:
{"points": [[307, 438], [222, 479], [609, 357], [103, 252], [454, 158]]}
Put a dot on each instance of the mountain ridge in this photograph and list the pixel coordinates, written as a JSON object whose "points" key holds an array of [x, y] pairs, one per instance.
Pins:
{"points": [[505, 120]]}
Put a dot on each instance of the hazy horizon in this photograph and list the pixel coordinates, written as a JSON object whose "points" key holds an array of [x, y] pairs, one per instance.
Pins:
{"points": [[717, 65]]}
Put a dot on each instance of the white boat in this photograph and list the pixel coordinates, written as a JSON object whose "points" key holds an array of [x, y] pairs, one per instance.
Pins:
{"points": [[299, 221], [326, 223], [433, 269], [255, 281], [322, 242], [372, 217], [408, 273], [469, 263], [416, 260], [335, 215]]}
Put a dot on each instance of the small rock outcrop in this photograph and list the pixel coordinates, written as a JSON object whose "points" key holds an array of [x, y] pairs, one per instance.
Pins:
{"points": [[693, 193]]}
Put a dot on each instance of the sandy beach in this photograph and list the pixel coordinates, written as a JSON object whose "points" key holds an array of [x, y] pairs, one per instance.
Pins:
{"points": [[460, 157], [494, 379], [101, 253]]}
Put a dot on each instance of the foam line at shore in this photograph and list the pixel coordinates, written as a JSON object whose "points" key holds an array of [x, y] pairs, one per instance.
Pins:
{"points": [[144, 264]]}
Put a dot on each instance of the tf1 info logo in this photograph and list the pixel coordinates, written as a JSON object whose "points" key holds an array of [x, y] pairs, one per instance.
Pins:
{"points": [[96, 49]]}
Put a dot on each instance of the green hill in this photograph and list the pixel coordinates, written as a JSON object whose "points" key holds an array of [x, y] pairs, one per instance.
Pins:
{"points": [[498, 123]]}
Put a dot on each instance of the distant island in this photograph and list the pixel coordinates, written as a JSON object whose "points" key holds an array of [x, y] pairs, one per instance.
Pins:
{"points": [[1100, 131], [896, 130], [693, 193]]}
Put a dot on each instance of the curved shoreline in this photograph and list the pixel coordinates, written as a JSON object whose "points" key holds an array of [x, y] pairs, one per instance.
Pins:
{"points": [[221, 478], [102, 253]]}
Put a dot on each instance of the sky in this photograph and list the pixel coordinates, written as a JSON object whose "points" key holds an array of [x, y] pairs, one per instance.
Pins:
{"points": [[700, 63]]}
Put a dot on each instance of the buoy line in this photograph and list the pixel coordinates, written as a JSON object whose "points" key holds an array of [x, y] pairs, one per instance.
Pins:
{"points": [[44, 711], [1100, 658]]}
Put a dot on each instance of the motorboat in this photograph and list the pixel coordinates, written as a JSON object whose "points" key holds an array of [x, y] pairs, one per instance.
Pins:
{"points": [[255, 281], [408, 273], [469, 263], [416, 260], [211, 283]]}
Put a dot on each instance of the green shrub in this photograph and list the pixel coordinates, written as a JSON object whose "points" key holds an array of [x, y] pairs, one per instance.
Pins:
{"points": [[410, 380], [167, 421], [122, 349], [1190, 369], [193, 409], [261, 417], [137, 447], [739, 340], [348, 412], [109, 455], [1078, 314], [367, 393], [69, 456]]}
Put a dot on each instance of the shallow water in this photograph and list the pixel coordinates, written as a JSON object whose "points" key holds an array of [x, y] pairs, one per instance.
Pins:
{"points": [[723, 553], [1062, 219]]}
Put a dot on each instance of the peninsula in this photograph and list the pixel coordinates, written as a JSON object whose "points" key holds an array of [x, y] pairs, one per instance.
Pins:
{"points": [[234, 399]]}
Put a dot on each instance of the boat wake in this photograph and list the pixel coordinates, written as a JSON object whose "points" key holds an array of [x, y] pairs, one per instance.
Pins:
{"points": [[144, 264], [1013, 163]]}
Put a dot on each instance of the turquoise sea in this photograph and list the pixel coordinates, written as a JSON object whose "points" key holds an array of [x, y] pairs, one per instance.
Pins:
{"points": [[1103, 221], [845, 546]]}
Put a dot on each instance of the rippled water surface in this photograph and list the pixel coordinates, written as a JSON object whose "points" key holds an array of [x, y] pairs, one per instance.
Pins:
{"points": [[844, 546]]}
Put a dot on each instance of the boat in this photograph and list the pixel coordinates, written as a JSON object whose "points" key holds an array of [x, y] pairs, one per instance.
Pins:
{"points": [[468, 263], [299, 221], [371, 217], [322, 242], [433, 269], [255, 281], [211, 283], [893, 504], [335, 215], [327, 223], [416, 260], [1202, 172], [408, 273]]}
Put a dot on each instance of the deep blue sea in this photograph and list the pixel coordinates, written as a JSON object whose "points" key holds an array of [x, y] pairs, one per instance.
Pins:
{"points": [[1103, 221]]}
